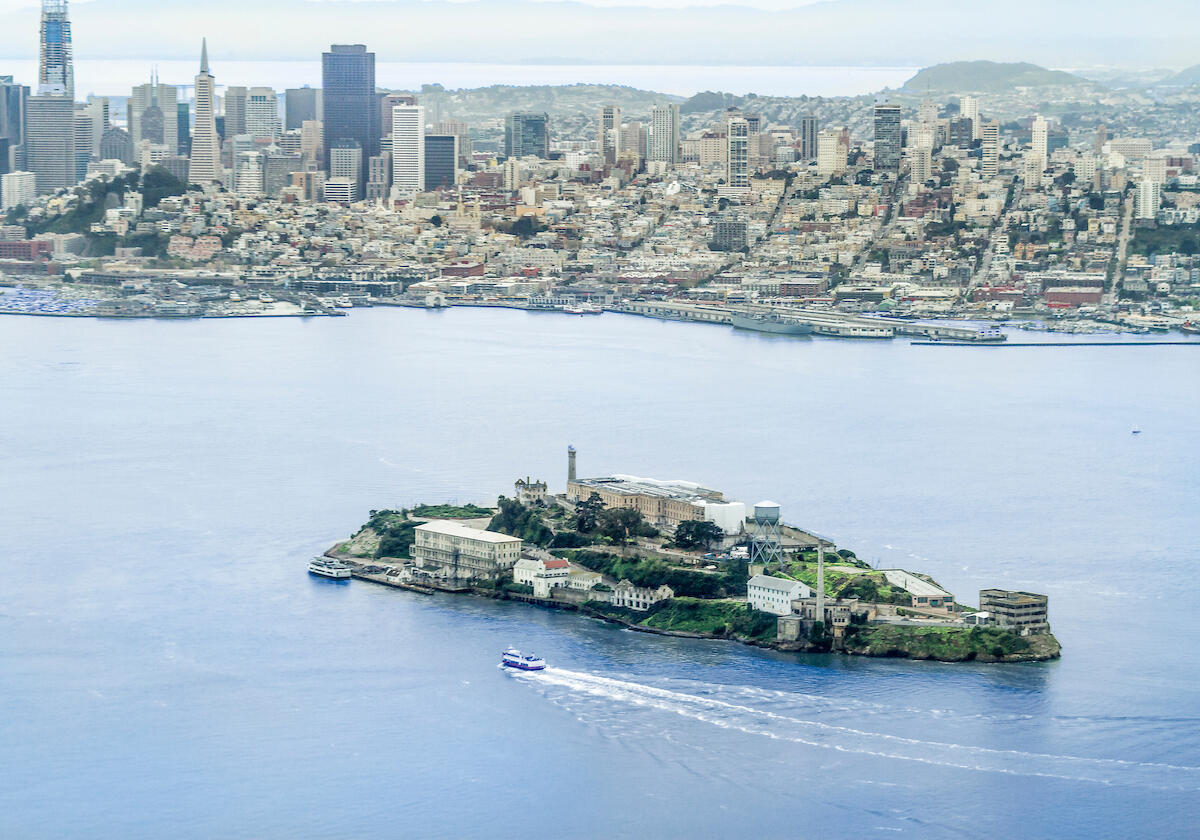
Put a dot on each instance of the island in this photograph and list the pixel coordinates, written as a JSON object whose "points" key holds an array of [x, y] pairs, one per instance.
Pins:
{"points": [[675, 558]]}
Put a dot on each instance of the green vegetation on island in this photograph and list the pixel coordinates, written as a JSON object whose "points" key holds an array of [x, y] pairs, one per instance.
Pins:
{"points": [[988, 77]]}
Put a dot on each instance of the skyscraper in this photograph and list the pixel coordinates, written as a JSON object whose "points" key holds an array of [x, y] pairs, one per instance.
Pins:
{"points": [[663, 142], [831, 152], [527, 134], [50, 141], [183, 129], [989, 165], [1040, 137], [153, 114], [351, 108], [12, 124], [441, 161], [887, 137], [205, 163], [808, 137], [235, 111], [262, 113], [408, 149], [737, 166], [56, 73], [346, 165], [300, 105], [609, 140], [968, 107]]}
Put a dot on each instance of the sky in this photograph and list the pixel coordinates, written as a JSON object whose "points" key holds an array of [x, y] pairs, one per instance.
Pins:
{"points": [[1060, 33]]}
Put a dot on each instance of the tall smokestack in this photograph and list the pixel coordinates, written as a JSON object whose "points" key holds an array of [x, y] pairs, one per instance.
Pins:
{"points": [[820, 581]]}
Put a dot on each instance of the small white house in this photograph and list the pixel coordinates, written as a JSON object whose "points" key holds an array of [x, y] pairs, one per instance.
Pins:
{"points": [[774, 595]]}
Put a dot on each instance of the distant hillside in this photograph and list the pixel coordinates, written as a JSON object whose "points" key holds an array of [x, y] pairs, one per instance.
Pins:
{"points": [[988, 77], [1183, 78]]}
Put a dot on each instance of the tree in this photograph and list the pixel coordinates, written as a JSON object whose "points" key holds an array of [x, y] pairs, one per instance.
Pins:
{"points": [[697, 533], [587, 512], [158, 183], [435, 220], [620, 524]]}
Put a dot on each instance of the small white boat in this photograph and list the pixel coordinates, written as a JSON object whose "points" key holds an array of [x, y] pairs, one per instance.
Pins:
{"points": [[513, 658], [329, 568]]}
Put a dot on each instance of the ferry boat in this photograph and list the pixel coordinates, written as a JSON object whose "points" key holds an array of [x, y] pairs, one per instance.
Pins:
{"points": [[770, 324], [583, 309], [1190, 327], [343, 303], [513, 658], [330, 568]]}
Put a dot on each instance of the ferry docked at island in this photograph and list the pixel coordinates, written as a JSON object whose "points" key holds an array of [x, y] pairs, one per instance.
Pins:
{"points": [[583, 309], [770, 324], [327, 567], [513, 658]]}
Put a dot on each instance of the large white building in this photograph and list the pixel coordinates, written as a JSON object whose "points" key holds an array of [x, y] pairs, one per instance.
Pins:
{"points": [[968, 108], [205, 164], [663, 142], [737, 166], [408, 149], [774, 595], [262, 114], [461, 553], [145, 123], [831, 152], [17, 188], [1040, 138], [989, 164]]}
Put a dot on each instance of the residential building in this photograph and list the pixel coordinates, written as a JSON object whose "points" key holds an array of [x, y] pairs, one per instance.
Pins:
{"points": [[346, 163], [408, 149], [351, 110], [639, 598], [1025, 612], [989, 165], [1040, 136], [205, 159], [774, 595], [737, 167], [527, 134], [663, 142], [887, 137], [17, 188], [379, 177], [1147, 199], [729, 233], [807, 138], [968, 108], [920, 162], [608, 141], [462, 553], [634, 142], [831, 152]]}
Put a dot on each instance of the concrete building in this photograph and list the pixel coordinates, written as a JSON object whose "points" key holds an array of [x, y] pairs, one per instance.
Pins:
{"points": [[56, 69], [262, 114], [608, 141], [542, 573], [774, 595], [968, 108], [529, 492], [1040, 139], [346, 163], [662, 503], [639, 598], [807, 137], [1147, 199], [441, 161], [887, 137], [737, 167], [50, 141], [152, 113], [729, 233], [663, 142], [300, 105], [312, 147], [989, 165], [1025, 612], [831, 152], [925, 595], [463, 553], [408, 149], [379, 177], [17, 188], [351, 110]]}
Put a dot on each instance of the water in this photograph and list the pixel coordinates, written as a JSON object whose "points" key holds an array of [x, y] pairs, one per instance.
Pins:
{"points": [[169, 668], [115, 77]]}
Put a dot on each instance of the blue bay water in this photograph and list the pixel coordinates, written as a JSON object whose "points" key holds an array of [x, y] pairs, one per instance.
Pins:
{"points": [[167, 667]]}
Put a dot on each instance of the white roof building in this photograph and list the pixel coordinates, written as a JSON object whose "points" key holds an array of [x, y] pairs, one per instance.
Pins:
{"points": [[774, 595]]}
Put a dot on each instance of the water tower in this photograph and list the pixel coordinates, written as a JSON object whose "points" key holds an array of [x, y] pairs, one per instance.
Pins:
{"points": [[767, 545]]}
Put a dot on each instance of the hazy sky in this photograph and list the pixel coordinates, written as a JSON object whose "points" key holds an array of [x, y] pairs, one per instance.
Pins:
{"points": [[1057, 33]]}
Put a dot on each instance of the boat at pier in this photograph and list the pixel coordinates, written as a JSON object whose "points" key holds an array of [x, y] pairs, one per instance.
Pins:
{"points": [[329, 568], [513, 658], [770, 324], [583, 309]]}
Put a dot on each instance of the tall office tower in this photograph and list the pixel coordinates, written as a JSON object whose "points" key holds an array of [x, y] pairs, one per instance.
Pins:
{"points": [[153, 114], [277, 171], [50, 141], [346, 164], [235, 111], [920, 159], [249, 168], [97, 111], [927, 111], [1040, 133], [737, 164], [808, 137], [663, 142], [831, 152], [205, 162], [351, 108], [56, 73], [633, 142], [609, 133], [84, 130], [311, 143], [116, 144], [968, 107], [755, 121], [262, 113], [441, 161], [388, 101], [379, 176], [527, 134], [989, 165], [16, 189], [183, 129], [1101, 139], [887, 137], [12, 124], [299, 105], [289, 142], [408, 149], [461, 131]]}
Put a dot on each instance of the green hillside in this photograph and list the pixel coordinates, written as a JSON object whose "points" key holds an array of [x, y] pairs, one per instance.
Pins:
{"points": [[988, 77]]}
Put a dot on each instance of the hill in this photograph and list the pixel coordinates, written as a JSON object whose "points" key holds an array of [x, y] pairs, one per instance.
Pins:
{"points": [[988, 77], [1184, 78]]}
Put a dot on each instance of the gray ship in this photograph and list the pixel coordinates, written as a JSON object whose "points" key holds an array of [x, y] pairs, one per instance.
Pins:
{"points": [[770, 324]]}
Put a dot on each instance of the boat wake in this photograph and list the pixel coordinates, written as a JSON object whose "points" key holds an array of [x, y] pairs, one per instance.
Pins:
{"points": [[607, 700]]}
